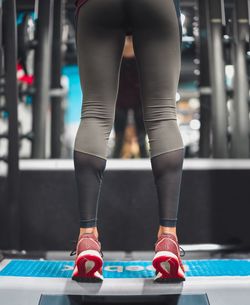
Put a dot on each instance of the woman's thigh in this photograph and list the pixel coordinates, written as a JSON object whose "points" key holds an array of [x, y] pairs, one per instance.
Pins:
{"points": [[156, 40], [100, 42]]}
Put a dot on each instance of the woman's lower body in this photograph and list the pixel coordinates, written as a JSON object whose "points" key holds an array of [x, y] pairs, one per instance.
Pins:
{"points": [[101, 30]]}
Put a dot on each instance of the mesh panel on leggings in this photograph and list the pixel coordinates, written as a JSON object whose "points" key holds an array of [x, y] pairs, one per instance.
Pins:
{"points": [[167, 170], [89, 173]]}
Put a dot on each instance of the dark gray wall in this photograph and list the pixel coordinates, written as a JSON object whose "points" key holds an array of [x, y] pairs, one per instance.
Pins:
{"points": [[214, 208]]}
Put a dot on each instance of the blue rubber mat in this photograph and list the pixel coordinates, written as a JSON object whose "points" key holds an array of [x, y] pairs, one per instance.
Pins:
{"points": [[125, 269]]}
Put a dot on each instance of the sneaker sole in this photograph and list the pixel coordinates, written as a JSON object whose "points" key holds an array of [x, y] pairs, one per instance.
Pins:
{"points": [[87, 267], [167, 267]]}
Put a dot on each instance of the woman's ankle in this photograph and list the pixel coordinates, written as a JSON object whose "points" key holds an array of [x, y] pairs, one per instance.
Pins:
{"points": [[89, 230], [163, 230]]}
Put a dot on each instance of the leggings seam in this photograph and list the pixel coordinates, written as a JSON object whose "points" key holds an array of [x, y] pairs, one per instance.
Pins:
{"points": [[181, 148], [84, 152]]}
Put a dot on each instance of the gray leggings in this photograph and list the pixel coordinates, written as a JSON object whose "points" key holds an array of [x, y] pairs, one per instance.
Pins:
{"points": [[101, 29]]}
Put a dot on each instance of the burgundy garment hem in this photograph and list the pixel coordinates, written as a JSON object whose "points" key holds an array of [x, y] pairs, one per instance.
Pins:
{"points": [[78, 4]]}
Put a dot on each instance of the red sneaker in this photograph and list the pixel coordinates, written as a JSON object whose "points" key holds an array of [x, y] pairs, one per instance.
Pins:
{"points": [[167, 261], [89, 262]]}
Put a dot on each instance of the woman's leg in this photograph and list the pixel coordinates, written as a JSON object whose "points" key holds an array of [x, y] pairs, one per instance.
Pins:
{"points": [[100, 42], [156, 38]]}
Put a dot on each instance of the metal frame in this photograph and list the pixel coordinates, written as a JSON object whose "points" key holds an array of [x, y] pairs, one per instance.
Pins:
{"points": [[42, 77], [240, 117], [56, 101], [205, 83], [217, 76], [10, 62]]}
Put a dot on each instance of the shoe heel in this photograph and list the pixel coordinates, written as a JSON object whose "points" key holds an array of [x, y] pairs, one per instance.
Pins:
{"points": [[167, 266], [88, 266]]}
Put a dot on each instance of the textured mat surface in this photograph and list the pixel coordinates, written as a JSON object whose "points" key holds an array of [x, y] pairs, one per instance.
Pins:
{"points": [[125, 269]]}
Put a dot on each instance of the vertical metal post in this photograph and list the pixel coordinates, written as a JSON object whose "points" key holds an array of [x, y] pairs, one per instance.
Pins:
{"points": [[1, 40], [42, 76], [240, 122], [56, 101], [10, 63], [205, 84], [217, 76]]}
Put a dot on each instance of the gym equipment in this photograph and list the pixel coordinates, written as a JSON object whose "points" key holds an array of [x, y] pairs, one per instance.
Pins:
{"points": [[47, 281], [217, 76], [204, 82], [42, 76], [240, 118], [57, 115], [124, 269], [26, 41], [224, 33], [12, 229], [47, 86]]}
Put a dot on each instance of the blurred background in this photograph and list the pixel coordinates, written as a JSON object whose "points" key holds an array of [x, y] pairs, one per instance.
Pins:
{"points": [[40, 106]]}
